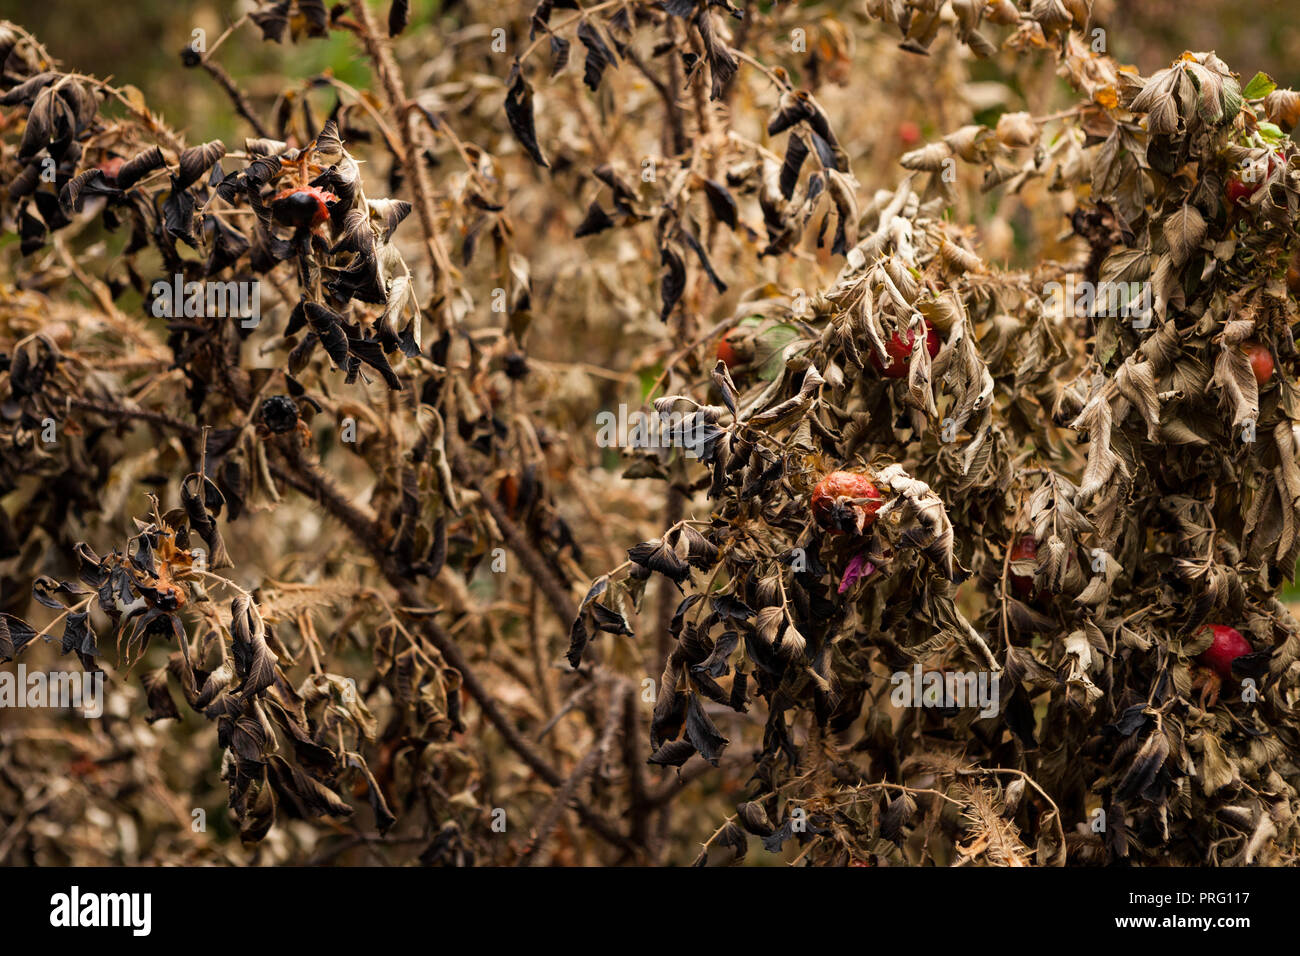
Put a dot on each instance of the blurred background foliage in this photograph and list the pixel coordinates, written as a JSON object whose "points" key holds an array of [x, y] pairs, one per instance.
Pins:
{"points": [[140, 43]]}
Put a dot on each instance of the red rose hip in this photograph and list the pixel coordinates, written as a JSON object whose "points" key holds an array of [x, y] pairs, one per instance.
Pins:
{"points": [[1228, 645], [727, 351], [1026, 549], [834, 506], [899, 352], [1261, 361], [303, 208], [1239, 190]]}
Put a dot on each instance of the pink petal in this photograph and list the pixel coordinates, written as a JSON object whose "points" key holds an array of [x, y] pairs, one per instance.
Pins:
{"points": [[858, 567]]}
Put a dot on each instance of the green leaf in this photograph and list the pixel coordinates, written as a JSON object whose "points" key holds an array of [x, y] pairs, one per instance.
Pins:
{"points": [[1231, 99], [648, 377], [1270, 133], [772, 342], [1261, 84]]}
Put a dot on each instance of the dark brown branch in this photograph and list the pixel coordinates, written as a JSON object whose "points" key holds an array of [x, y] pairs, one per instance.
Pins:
{"points": [[390, 81], [567, 791], [237, 97], [143, 414]]}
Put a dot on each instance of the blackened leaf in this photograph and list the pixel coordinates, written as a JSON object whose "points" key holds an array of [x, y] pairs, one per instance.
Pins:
{"points": [[309, 796], [559, 53], [88, 568], [370, 352], [15, 634], [668, 717], [196, 160], [709, 687], [202, 508], [716, 664], [624, 196], [700, 551], [1142, 772], [45, 589], [32, 232], [701, 732], [25, 183], [328, 327], [159, 698], [254, 660], [673, 754], [776, 841], [754, 819], [598, 587], [1130, 721], [703, 256], [729, 606], [673, 283], [26, 91], [740, 692], [257, 812], [178, 216], [50, 118], [763, 653], [77, 636], [519, 113], [313, 11], [73, 195], [721, 202], [794, 107], [721, 376], [272, 20], [897, 814], [688, 602], [384, 818], [228, 244], [609, 620], [735, 838], [722, 62], [399, 15], [656, 555], [1252, 665], [578, 637], [596, 220], [599, 55]]}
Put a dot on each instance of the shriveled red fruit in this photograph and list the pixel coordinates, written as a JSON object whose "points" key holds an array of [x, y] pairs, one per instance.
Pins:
{"points": [[727, 351], [279, 414], [1026, 549], [304, 207], [1261, 360], [1239, 190], [899, 350], [834, 507], [1227, 647], [111, 167]]}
